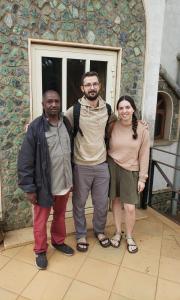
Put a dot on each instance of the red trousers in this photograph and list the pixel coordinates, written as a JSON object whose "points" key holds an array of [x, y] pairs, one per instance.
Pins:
{"points": [[58, 227]]}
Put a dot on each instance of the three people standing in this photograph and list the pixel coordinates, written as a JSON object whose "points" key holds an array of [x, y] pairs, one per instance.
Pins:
{"points": [[45, 174]]}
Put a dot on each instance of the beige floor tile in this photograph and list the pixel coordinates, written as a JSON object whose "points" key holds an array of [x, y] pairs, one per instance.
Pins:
{"points": [[47, 285], [16, 275], [149, 243], [167, 290], [142, 261], [22, 298], [82, 291], [3, 260], [6, 295], [152, 218], [135, 285], [98, 273], [18, 237], [26, 254], [170, 234], [118, 297], [169, 269], [11, 252], [110, 254], [65, 265], [170, 248], [148, 227]]}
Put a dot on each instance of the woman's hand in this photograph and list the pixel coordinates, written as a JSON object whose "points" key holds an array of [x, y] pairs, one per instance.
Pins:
{"points": [[141, 186]]}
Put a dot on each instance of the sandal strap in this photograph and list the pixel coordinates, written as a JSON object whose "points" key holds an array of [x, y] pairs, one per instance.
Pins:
{"points": [[116, 237], [132, 241], [83, 244]]}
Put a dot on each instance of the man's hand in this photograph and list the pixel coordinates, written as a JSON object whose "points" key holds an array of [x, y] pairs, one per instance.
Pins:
{"points": [[141, 186], [32, 198], [144, 123]]}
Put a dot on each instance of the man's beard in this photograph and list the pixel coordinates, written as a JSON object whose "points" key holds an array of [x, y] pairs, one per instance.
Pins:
{"points": [[91, 97]]}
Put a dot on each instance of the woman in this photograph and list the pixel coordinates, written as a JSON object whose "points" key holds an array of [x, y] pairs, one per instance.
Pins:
{"points": [[128, 163]]}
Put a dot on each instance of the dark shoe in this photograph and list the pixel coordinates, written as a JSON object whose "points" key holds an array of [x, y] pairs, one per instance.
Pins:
{"points": [[103, 240], [41, 261], [67, 250]]}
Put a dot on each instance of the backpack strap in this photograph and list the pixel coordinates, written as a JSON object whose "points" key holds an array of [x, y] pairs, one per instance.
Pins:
{"points": [[76, 116], [70, 132], [106, 137], [68, 126]]}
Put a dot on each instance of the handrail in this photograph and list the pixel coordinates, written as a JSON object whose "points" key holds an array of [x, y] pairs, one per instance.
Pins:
{"points": [[154, 148], [162, 163], [147, 193]]}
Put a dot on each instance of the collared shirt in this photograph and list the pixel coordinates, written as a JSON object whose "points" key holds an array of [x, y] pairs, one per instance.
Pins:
{"points": [[60, 158]]}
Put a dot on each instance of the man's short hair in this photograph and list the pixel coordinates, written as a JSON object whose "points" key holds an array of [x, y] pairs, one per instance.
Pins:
{"points": [[89, 74], [46, 91]]}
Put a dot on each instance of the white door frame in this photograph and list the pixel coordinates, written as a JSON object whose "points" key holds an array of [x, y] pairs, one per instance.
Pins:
{"points": [[38, 48]]}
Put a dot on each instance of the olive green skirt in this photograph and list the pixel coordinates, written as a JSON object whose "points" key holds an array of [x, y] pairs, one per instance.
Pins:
{"points": [[123, 183]]}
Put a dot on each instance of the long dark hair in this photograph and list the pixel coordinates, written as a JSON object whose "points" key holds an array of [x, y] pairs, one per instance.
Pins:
{"points": [[134, 117]]}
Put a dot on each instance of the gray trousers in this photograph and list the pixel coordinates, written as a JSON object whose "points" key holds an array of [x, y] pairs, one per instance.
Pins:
{"points": [[94, 179]]}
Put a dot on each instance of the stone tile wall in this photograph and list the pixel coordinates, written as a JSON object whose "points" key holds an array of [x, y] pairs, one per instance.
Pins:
{"points": [[103, 22]]}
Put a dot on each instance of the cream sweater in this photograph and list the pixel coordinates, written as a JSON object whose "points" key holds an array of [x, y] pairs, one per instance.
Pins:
{"points": [[130, 154], [90, 149]]}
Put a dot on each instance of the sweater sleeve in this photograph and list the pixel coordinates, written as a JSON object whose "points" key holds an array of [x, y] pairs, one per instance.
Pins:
{"points": [[26, 163], [144, 156]]}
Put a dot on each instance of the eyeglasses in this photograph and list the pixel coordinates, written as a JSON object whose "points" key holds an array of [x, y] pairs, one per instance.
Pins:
{"points": [[89, 85]]}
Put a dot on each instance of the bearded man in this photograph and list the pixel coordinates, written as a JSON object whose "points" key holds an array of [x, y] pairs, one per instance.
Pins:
{"points": [[90, 170]]}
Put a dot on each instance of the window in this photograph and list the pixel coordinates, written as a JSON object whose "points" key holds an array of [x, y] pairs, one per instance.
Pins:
{"points": [[163, 117], [65, 66], [160, 118]]}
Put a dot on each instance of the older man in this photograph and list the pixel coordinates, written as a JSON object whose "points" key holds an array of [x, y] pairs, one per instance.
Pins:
{"points": [[44, 170]]}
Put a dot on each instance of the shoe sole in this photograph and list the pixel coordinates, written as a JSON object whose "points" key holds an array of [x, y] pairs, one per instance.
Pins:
{"points": [[62, 251], [39, 268]]}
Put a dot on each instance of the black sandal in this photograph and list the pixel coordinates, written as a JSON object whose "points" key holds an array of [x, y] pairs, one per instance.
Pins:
{"points": [[104, 242], [116, 240], [82, 246], [131, 244]]}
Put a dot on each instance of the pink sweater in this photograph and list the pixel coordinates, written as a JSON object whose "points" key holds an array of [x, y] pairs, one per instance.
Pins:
{"points": [[130, 154]]}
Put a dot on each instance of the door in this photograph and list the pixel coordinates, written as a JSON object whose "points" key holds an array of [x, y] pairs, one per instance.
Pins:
{"points": [[64, 66]]}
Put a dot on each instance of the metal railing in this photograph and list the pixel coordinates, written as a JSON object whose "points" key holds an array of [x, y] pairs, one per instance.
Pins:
{"points": [[173, 210]]}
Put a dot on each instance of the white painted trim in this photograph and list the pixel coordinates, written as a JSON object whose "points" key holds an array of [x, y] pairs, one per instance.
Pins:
{"points": [[64, 83], [69, 44], [113, 59], [154, 12]]}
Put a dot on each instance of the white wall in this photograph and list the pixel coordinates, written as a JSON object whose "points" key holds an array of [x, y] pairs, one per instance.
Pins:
{"points": [[154, 10], [162, 45], [171, 38], [169, 50]]}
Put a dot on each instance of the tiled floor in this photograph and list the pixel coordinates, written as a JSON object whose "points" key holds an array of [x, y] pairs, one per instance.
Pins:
{"points": [[100, 274]]}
